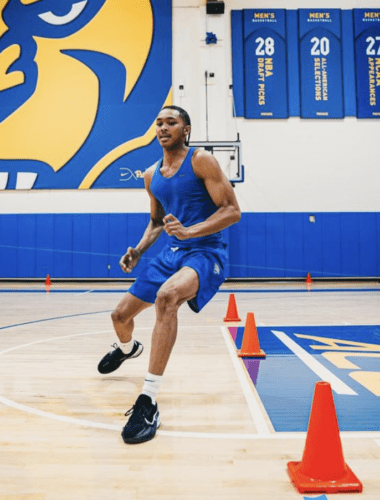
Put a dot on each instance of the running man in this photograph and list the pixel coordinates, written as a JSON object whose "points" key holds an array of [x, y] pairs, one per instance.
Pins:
{"points": [[192, 201]]}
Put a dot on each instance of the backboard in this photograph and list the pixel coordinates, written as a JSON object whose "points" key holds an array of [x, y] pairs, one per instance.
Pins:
{"points": [[228, 154]]}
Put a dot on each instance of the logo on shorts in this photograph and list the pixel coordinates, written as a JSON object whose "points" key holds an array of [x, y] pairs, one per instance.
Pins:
{"points": [[216, 269]]}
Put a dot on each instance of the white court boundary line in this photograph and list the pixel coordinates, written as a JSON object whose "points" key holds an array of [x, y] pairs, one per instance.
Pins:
{"points": [[55, 338], [180, 434], [256, 412], [336, 384], [100, 425], [85, 292]]}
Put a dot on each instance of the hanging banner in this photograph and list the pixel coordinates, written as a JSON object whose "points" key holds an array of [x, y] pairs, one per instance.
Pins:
{"points": [[367, 58], [321, 63], [265, 73]]}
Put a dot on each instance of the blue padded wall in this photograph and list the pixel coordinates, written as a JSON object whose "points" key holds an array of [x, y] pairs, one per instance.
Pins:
{"points": [[262, 245], [287, 245]]}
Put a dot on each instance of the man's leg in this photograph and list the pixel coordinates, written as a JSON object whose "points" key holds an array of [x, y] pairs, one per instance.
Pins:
{"points": [[145, 417], [123, 315], [122, 318], [178, 289]]}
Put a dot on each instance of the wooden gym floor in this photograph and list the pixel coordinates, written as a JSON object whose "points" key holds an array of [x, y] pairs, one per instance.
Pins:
{"points": [[61, 420]]}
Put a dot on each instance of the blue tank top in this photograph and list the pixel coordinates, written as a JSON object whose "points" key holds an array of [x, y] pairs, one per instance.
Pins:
{"points": [[185, 196]]}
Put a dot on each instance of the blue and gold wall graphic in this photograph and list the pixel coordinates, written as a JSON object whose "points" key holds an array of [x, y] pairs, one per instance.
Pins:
{"points": [[81, 83]]}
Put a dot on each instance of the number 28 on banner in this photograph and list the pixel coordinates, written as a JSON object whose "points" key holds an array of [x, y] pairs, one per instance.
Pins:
{"points": [[265, 48], [265, 64]]}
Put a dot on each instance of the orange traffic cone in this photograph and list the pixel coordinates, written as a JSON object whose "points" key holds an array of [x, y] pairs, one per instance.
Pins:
{"points": [[232, 313], [47, 284], [308, 279], [250, 347], [323, 469]]}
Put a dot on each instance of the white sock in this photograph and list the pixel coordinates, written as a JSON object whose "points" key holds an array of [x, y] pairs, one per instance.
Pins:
{"points": [[151, 386], [127, 347]]}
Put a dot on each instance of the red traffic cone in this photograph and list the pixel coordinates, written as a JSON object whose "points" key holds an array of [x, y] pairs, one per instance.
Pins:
{"points": [[47, 284], [250, 347], [322, 469], [232, 313], [308, 279]]}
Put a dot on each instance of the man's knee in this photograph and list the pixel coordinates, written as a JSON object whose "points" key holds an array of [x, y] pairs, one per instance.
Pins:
{"points": [[119, 315], [129, 307], [122, 313], [168, 299]]}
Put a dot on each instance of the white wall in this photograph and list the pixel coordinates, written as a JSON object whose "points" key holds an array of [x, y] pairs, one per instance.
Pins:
{"points": [[291, 165]]}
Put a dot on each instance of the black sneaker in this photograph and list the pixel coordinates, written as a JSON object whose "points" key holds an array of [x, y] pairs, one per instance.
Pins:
{"points": [[143, 422], [113, 359]]}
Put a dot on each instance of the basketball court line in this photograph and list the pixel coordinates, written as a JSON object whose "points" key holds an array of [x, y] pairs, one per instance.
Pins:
{"points": [[180, 434], [305, 290], [229, 290], [262, 427], [84, 293], [53, 318], [256, 412], [257, 415], [336, 384]]}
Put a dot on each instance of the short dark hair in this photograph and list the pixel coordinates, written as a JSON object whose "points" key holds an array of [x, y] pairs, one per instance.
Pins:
{"points": [[184, 114]]}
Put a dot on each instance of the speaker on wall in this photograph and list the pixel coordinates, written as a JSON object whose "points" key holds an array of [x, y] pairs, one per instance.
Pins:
{"points": [[215, 7]]}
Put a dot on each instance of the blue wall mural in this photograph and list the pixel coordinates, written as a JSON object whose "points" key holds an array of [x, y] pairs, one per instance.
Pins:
{"points": [[80, 86]]}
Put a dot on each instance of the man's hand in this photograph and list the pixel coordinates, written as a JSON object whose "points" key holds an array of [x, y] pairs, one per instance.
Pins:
{"points": [[129, 260], [173, 227]]}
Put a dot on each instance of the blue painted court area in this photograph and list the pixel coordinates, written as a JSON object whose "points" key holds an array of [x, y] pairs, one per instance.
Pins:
{"points": [[285, 379], [321, 497]]}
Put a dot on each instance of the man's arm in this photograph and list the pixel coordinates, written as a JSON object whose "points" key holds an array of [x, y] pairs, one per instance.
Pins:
{"points": [[152, 231], [207, 168]]}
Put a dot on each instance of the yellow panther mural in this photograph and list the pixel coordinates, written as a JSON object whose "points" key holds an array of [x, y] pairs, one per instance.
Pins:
{"points": [[76, 83]]}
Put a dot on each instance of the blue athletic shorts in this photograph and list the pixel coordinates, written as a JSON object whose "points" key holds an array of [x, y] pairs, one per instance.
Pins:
{"points": [[208, 262]]}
